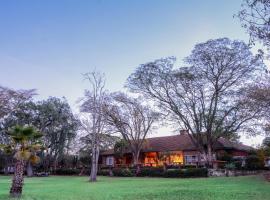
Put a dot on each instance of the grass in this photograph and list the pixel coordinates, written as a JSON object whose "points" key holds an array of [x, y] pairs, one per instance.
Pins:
{"points": [[77, 188]]}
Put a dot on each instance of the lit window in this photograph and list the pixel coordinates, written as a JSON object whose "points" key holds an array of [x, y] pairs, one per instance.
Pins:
{"points": [[109, 161], [190, 159]]}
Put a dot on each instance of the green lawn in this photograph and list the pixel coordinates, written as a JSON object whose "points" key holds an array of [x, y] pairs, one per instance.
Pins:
{"points": [[77, 188]]}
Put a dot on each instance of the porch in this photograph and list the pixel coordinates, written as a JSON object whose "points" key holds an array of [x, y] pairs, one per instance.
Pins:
{"points": [[153, 159]]}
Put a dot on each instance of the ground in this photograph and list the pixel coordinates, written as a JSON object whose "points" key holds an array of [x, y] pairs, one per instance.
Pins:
{"points": [[77, 188]]}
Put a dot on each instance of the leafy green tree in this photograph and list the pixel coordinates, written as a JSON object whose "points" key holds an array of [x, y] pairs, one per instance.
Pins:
{"points": [[56, 121], [25, 143], [10, 100], [58, 124]]}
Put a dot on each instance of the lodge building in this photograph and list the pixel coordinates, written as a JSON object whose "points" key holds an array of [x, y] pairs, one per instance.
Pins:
{"points": [[173, 150]]}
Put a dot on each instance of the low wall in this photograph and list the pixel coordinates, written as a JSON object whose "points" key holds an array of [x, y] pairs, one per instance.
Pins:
{"points": [[224, 172]]}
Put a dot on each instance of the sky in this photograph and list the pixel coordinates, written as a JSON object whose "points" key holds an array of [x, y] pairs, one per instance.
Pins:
{"points": [[48, 45]]}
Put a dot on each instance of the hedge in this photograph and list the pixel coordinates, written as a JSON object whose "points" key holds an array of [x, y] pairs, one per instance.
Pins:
{"points": [[157, 172], [104, 172], [123, 172], [66, 171], [186, 173], [151, 172]]}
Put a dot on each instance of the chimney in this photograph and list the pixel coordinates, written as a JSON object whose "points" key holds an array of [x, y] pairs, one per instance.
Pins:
{"points": [[183, 132]]}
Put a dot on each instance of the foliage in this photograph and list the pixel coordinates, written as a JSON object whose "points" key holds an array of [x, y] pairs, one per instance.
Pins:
{"points": [[230, 166], [123, 172], [208, 96], [120, 148], [158, 172], [225, 157], [266, 142], [10, 100], [53, 117], [104, 172], [93, 124], [25, 143], [186, 173], [255, 18], [67, 171], [132, 119], [151, 172], [253, 162]]}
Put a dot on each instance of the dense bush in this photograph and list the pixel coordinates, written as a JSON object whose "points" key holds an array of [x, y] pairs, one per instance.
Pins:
{"points": [[157, 172], [230, 166], [66, 171], [254, 163], [151, 172], [173, 173], [104, 172], [186, 173], [123, 172]]}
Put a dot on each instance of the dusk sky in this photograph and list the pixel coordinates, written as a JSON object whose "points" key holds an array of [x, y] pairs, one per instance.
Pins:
{"points": [[47, 45]]}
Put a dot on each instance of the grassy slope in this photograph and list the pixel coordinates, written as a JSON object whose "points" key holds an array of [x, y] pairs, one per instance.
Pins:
{"points": [[77, 188]]}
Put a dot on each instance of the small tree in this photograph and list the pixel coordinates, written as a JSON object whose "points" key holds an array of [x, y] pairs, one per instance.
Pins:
{"points": [[133, 120], [24, 144], [92, 120]]}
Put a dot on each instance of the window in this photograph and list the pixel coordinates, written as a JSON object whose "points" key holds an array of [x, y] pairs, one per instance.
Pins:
{"points": [[109, 160], [190, 159]]}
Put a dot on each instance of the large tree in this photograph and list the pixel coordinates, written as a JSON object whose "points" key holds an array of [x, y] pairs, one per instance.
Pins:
{"points": [[10, 100], [133, 120], [54, 118], [93, 123], [58, 124], [255, 18], [208, 96]]}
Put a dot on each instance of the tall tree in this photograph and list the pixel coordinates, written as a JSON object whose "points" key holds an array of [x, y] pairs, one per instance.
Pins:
{"points": [[24, 143], [58, 124], [255, 18], [208, 97], [10, 100], [92, 120], [54, 118], [133, 120]]}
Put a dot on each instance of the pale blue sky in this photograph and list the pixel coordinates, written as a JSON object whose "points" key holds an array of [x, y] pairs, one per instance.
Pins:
{"points": [[47, 45]]}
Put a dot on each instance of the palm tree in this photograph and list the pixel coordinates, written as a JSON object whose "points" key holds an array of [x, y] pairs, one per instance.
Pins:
{"points": [[24, 144]]}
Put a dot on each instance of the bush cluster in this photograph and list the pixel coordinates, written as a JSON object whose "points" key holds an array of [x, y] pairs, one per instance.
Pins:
{"points": [[157, 172], [66, 171], [104, 172], [151, 171], [254, 163], [124, 172], [186, 173]]}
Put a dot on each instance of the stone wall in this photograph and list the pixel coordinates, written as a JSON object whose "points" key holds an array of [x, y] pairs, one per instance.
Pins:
{"points": [[224, 172]]}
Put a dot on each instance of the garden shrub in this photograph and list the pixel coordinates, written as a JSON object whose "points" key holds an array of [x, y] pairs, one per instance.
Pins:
{"points": [[254, 163], [186, 173], [66, 171], [123, 172], [173, 173], [151, 172], [195, 172], [230, 166], [104, 172]]}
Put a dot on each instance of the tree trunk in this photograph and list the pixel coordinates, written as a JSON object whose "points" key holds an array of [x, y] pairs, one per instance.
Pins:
{"points": [[136, 162], [94, 165], [207, 153], [17, 181], [29, 169]]}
